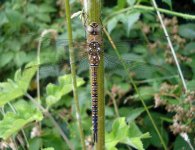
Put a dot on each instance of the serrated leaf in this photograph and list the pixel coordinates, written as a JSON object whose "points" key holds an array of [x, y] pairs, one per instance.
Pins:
{"points": [[132, 18], [187, 30], [191, 85], [13, 122], [189, 48], [15, 18], [13, 89], [146, 92], [134, 113], [180, 144], [112, 24], [3, 18], [131, 2], [5, 58], [44, 8], [126, 134], [121, 4], [55, 92], [43, 17]]}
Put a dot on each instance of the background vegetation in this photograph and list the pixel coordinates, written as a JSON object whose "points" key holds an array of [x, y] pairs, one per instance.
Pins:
{"points": [[49, 121]]}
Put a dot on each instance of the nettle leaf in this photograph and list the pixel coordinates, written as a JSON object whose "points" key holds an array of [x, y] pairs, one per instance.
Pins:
{"points": [[191, 85], [46, 8], [5, 58], [187, 30], [168, 2], [55, 92], [13, 89], [146, 92], [189, 49], [112, 24], [134, 113], [181, 144], [15, 18], [131, 2], [3, 18], [13, 122], [132, 18], [126, 134], [121, 4]]}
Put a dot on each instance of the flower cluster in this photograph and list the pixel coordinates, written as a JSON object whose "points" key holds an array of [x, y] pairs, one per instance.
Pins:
{"points": [[183, 109]]}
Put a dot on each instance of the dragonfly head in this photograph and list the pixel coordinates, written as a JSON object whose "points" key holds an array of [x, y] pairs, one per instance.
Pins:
{"points": [[94, 28]]}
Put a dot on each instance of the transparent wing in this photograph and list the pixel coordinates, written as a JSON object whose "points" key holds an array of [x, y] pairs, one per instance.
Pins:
{"points": [[55, 58]]}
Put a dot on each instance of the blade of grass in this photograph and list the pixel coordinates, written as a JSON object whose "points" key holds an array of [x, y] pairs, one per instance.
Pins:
{"points": [[73, 72]]}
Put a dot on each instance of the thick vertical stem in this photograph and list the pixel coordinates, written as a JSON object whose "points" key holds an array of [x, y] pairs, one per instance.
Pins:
{"points": [[93, 14], [73, 72]]}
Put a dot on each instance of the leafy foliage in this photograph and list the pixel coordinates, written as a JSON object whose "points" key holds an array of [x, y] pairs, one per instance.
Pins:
{"points": [[11, 90], [13, 122], [55, 92], [130, 135], [22, 22]]}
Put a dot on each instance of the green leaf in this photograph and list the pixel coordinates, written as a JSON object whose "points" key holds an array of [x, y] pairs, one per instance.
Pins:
{"points": [[134, 113], [187, 30], [189, 48], [131, 2], [35, 143], [5, 58], [191, 85], [180, 144], [154, 140], [126, 134], [11, 90], [112, 24], [55, 92], [43, 17], [121, 4], [45, 8], [3, 18], [49, 148], [168, 2], [12, 123], [146, 92], [132, 18], [15, 18]]}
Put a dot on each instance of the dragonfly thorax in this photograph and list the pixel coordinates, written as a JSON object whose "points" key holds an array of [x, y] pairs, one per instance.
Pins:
{"points": [[94, 51]]}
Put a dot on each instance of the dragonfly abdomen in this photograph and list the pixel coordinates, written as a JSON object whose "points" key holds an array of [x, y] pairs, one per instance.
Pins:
{"points": [[94, 97]]}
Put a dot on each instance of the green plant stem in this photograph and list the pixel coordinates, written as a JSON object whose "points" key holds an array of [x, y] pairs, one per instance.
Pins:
{"points": [[149, 8], [93, 12], [115, 104], [136, 89], [47, 113], [73, 72]]}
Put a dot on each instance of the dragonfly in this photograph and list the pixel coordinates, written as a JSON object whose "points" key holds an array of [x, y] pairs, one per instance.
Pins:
{"points": [[93, 49]]}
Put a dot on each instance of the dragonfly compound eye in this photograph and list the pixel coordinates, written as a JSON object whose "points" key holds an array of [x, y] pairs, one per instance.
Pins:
{"points": [[89, 29]]}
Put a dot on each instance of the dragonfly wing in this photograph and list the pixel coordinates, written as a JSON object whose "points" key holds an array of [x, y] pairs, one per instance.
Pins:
{"points": [[135, 66]]}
